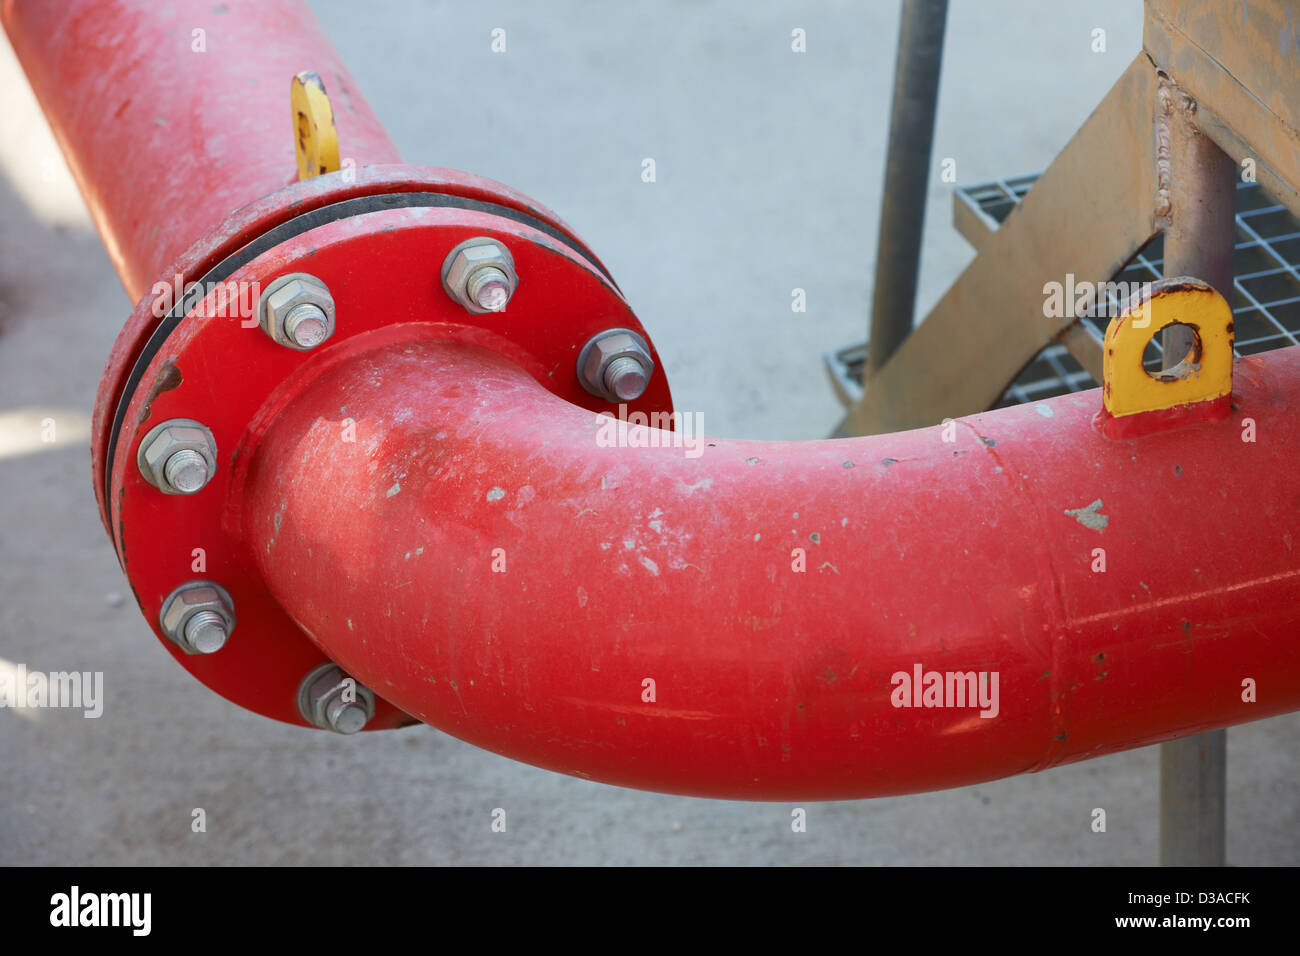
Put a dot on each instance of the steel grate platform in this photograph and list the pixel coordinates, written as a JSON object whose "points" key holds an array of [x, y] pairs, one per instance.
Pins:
{"points": [[1266, 285]]}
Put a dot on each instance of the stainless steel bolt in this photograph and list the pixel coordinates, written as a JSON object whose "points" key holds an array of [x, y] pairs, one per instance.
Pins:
{"points": [[490, 288], [616, 365], [480, 275], [206, 632], [198, 617], [178, 456], [345, 718], [331, 700], [186, 471], [306, 325], [297, 311], [626, 378]]}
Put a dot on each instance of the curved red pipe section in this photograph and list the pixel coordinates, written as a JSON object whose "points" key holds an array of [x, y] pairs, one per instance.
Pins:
{"points": [[167, 130], [476, 556]]}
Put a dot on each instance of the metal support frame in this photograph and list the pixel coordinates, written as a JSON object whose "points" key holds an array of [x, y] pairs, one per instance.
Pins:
{"points": [[1265, 282], [1246, 84], [990, 324]]}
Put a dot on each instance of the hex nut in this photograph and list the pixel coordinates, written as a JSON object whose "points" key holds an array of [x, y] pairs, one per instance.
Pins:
{"points": [[167, 439], [283, 298], [194, 599], [474, 270], [605, 349], [321, 700]]}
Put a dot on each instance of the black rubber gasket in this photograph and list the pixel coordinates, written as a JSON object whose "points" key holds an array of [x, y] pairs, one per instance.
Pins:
{"points": [[284, 232]]}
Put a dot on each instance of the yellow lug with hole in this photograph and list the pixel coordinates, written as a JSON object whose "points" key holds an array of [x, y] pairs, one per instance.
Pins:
{"points": [[1205, 374], [316, 141]]}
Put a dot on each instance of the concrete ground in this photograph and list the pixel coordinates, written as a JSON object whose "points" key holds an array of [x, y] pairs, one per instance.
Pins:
{"points": [[768, 178]]}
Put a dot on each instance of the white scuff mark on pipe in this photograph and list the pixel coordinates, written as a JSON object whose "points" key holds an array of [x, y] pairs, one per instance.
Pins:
{"points": [[1090, 517]]}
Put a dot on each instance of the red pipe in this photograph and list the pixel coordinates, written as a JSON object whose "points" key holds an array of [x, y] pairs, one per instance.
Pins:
{"points": [[622, 564], [771, 678], [166, 141]]}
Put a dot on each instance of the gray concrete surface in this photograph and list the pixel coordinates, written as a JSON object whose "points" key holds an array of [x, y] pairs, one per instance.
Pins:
{"points": [[769, 167]]}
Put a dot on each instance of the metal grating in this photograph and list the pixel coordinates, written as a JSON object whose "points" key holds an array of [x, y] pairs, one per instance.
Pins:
{"points": [[1266, 286]]}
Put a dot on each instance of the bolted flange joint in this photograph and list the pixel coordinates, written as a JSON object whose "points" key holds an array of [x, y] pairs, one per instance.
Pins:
{"points": [[331, 700], [178, 456], [615, 365], [480, 275], [297, 311], [198, 617]]}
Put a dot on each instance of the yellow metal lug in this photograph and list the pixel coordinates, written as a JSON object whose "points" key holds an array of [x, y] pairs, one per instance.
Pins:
{"points": [[1203, 375], [316, 141]]}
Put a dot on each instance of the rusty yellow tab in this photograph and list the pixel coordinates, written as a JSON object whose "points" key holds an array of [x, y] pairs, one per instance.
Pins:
{"points": [[1203, 375], [316, 141]]}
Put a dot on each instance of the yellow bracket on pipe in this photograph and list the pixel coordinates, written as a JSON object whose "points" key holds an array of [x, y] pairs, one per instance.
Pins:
{"points": [[316, 141], [1204, 374]]}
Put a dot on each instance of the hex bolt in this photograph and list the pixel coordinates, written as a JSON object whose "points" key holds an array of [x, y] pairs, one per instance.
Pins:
{"points": [[178, 456], [480, 275], [331, 700], [198, 617], [297, 311], [615, 365]]}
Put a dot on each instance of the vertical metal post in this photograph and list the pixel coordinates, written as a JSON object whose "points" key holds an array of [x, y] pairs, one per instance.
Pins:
{"points": [[1193, 781], [907, 175], [1198, 242]]}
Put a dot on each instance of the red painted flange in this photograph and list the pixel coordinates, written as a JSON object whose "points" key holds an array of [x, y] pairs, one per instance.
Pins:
{"points": [[383, 269], [257, 219]]}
